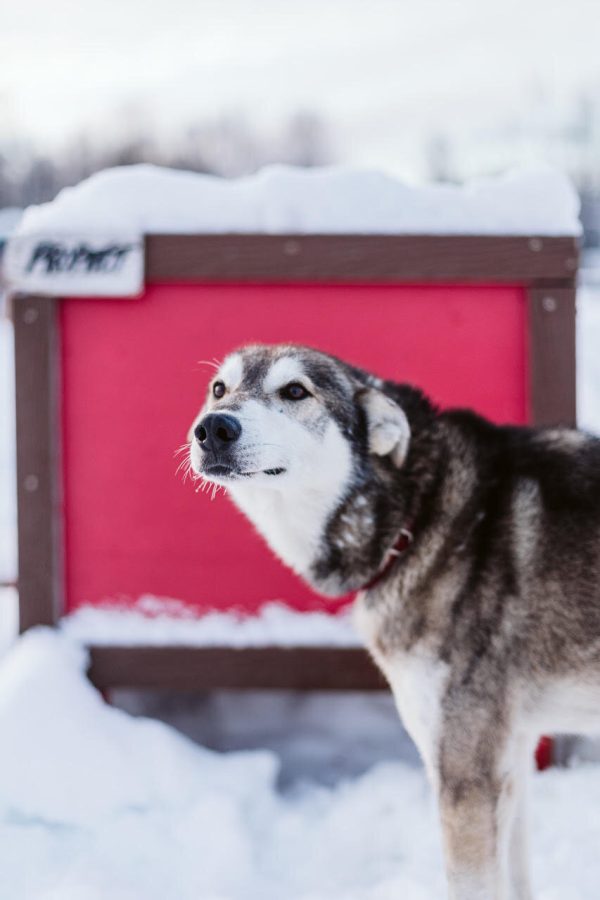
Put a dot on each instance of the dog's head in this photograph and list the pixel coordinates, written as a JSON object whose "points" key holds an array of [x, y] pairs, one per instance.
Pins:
{"points": [[287, 416]]}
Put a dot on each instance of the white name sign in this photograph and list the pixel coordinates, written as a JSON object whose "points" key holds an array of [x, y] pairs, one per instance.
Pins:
{"points": [[75, 266]]}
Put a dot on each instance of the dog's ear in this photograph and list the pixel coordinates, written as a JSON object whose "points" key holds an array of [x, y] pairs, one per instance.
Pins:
{"points": [[389, 431]]}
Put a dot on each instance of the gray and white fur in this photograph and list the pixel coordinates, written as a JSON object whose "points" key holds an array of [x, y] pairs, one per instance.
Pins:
{"points": [[487, 626]]}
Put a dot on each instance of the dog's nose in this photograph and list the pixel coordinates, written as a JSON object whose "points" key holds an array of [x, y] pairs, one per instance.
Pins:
{"points": [[216, 431]]}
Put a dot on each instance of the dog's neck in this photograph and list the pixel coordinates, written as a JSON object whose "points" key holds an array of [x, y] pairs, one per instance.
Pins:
{"points": [[292, 522], [384, 502]]}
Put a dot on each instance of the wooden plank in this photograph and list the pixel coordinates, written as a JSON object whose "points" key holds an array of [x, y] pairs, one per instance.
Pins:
{"points": [[38, 484], [552, 355], [360, 258], [207, 668]]}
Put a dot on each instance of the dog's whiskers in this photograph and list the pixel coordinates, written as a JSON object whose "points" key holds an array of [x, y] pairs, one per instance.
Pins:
{"points": [[184, 465], [204, 483], [213, 363]]}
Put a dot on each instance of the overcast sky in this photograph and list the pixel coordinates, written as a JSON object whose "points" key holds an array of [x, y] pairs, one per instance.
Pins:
{"points": [[383, 73]]}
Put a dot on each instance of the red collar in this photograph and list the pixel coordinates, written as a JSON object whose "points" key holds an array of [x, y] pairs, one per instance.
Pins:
{"points": [[405, 539]]}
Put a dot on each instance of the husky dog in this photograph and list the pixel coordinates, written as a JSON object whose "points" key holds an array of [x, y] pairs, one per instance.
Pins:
{"points": [[475, 549]]}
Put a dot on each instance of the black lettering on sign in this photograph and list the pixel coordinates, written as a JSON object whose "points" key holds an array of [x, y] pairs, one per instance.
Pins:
{"points": [[54, 256]]}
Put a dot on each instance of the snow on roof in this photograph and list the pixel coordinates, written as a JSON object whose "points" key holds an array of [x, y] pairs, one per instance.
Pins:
{"points": [[279, 199], [157, 621]]}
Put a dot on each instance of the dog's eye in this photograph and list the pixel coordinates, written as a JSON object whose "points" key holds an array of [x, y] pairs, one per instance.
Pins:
{"points": [[218, 389], [294, 391]]}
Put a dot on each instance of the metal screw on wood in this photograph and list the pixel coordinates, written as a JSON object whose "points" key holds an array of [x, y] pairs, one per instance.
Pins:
{"points": [[549, 304], [30, 315], [291, 248], [31, 483], [535, 244]]}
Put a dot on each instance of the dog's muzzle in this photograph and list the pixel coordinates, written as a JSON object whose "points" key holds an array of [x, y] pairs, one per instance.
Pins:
{"points": [[217, 434]]}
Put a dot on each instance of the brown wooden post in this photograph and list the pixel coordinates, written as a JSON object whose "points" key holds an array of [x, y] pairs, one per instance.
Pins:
{"points": [[38, 460], [552, 355]]}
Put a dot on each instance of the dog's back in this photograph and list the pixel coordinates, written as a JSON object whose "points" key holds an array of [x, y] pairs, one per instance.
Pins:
{"points": [[536, 539]]}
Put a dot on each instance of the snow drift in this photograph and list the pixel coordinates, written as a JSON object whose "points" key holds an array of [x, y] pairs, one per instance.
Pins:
{"points": [[153, 620], [96, 804]]}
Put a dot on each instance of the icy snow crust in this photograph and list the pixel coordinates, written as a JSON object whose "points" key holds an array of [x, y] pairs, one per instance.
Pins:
{"points": [[282, 199], [155, 621], [97, 804]]}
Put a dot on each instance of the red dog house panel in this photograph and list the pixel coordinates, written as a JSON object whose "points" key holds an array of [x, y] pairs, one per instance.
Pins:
{"points": [[106, 389], [131, 384]]}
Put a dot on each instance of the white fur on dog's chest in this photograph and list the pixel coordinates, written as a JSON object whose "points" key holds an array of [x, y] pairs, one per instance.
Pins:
{"points": [[417, 678]]}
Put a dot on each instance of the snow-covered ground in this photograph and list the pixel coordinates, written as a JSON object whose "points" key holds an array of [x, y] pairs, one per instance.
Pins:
{"points": [[95, 803]]}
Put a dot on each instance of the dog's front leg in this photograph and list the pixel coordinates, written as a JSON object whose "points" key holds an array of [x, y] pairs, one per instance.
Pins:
{"points": [[478, 795], [470, 845]]}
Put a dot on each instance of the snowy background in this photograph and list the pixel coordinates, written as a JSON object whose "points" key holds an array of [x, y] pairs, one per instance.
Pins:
{"points": [[425, 89]]}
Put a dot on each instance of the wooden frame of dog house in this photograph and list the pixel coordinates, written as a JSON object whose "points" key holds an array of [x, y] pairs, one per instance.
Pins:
{"points": [[544, 267]]}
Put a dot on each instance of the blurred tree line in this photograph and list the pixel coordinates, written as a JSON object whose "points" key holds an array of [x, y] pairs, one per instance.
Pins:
{"points": [[228, 145]]}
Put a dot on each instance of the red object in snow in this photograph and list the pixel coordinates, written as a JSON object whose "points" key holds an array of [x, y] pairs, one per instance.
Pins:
{"points": [[544, 755]]}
